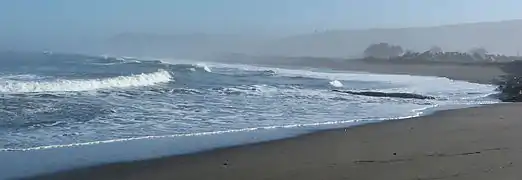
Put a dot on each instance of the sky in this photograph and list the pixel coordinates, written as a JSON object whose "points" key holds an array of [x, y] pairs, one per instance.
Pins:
{"points": [[33, 20]]}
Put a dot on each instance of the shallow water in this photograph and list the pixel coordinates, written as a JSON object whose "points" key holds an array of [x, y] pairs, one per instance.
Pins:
{"points": [[53, 101]]}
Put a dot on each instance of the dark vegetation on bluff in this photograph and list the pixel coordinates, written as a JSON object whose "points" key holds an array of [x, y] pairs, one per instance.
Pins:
{"points": [[395, 53], [509, 85]]}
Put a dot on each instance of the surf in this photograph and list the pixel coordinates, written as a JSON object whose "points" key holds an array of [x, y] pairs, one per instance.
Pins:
{"points": [[61, 85]]}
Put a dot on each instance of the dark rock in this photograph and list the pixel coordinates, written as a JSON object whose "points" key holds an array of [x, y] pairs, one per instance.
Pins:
{"points": [[383, 94], [510, 88]]}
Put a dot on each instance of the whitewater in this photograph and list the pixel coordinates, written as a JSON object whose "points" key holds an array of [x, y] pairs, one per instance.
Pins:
{"points": [[143, 79], [71, 110]]}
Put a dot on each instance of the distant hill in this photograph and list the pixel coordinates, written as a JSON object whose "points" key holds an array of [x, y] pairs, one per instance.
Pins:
{"points": [[498, 37]]}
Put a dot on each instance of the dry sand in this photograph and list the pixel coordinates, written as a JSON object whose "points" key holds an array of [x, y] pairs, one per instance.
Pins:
{"points": [[475, 143]]}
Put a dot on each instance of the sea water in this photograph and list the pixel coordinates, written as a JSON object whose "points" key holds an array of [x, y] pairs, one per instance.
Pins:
{"points": [[62, 111]]}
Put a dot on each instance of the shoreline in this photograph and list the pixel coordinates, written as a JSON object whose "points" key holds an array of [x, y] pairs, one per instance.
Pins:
{"points": [[230, 162], [109, 152], [126, 168], [143, 149], [482, 73]]}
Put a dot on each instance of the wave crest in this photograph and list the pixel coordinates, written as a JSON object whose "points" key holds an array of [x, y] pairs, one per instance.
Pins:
{"points": [[149, 79], [336, 83], [204, 67]]}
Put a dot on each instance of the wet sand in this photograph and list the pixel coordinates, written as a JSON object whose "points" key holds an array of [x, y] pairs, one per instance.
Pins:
{"points": [[473, 143]]}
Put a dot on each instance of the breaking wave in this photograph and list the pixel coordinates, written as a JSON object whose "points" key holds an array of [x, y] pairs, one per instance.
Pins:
{"points": [[149, 79], [204, 67], [336, 83]]}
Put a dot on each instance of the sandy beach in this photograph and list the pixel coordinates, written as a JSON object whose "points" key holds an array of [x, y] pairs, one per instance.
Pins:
{"points": [[473, 143], [483, 73], [477, 73]]}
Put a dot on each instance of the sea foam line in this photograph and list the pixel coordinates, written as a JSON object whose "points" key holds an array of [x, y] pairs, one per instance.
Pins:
{"points": [[207, 133], [138, 80], [411, 83]]}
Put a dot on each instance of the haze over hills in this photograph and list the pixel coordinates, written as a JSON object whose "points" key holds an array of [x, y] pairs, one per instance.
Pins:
{"points": [[197, 45], [497, 37]]}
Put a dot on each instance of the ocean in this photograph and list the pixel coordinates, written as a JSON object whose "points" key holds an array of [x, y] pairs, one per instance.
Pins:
{"points": [[62, 111]]}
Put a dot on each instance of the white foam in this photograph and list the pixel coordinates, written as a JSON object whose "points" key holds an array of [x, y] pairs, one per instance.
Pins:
{"points": [[210, 133], [270, 91], [257, 89], [428, 85], [197, 64], [194, 134], [204, 66], [132, 61], [339, 75], [207, 69], [160, 76], [336, 83]]}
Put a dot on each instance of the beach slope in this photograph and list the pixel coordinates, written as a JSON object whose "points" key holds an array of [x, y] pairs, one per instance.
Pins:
{"points": [[473, 143]]}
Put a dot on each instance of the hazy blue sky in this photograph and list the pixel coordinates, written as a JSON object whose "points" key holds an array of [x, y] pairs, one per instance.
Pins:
{"points": [[36, 19], [86, 16]]}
